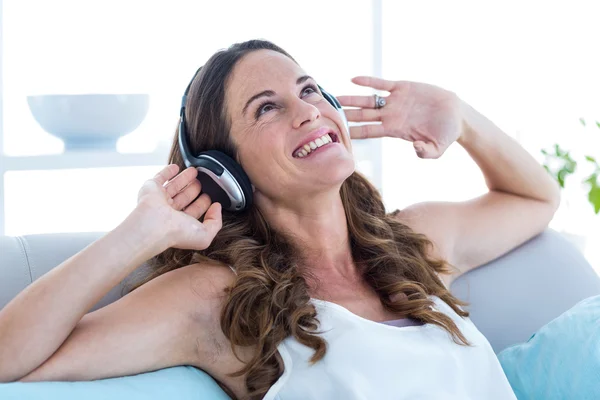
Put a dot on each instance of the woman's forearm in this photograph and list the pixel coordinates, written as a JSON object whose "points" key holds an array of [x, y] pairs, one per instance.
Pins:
{"points": [[506, 166], [37, 321]]}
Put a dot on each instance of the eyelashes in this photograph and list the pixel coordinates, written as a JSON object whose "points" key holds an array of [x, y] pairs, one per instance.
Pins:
{"points": [[264, 106]]}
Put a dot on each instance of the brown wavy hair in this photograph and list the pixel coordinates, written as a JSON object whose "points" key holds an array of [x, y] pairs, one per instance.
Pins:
{"points": [[269, 298]]}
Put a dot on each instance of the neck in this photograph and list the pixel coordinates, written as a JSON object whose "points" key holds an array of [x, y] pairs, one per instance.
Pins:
{"points": [[318, 228]]}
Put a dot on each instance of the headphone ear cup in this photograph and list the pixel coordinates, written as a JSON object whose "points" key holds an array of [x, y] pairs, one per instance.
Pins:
{"points": [[216, 192], [235, 170]]}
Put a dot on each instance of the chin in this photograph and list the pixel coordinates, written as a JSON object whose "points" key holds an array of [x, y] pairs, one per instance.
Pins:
{"points": [[343, 170]]}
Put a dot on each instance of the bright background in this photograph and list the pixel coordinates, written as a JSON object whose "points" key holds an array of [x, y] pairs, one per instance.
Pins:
{"points": [[530, 66]]}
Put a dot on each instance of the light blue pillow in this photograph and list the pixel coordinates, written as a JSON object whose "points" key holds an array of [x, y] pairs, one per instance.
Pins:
{"points": [[561, 360], [181, 383]]}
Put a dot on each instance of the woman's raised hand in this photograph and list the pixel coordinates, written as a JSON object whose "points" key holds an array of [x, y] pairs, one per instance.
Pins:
{"points": [[426, 115], [171, 201]]}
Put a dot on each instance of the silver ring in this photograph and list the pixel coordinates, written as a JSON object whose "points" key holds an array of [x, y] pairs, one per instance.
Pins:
{"points": [[379, 101]]}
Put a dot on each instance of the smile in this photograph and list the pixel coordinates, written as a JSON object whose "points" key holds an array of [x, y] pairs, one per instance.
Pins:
{"points": [[313, 145]]}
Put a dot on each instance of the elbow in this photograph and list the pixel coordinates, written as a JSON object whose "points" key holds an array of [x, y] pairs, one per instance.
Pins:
{"points": [[8, 376], [552, 202], [549, 210], [9, 373], [555, 198]]}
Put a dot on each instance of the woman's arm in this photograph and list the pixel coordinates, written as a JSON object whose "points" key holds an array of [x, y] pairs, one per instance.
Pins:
{"points": [[166, 322], [521, 202], [522, 197], [36, 322], [506, 166]]}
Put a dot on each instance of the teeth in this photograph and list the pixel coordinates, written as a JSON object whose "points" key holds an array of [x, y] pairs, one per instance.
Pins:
{"points": [[309, 147]]}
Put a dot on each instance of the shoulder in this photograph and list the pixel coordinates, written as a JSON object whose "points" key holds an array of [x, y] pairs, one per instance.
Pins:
{"points": [[197, 291], [206, 280], [427, 218], [201, 281], [204, 288], [424, 218], [198, 295]]}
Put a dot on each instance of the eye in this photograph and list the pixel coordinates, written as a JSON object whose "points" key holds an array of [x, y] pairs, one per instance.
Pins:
{"points": [[264, 108], [268, 106], [309, 89]]}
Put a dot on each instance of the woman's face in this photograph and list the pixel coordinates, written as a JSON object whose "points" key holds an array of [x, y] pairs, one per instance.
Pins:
{"points": [[275, 110]]}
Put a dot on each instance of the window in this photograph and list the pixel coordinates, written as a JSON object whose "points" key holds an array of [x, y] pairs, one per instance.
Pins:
{"points": [[134, 46], [529, 67]]}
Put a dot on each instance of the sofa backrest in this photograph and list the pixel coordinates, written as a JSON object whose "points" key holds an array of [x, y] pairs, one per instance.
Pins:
{"points": [[510, 298]]}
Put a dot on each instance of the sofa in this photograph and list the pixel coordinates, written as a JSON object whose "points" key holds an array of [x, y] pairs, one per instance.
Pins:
{"points": [[510, 298]]}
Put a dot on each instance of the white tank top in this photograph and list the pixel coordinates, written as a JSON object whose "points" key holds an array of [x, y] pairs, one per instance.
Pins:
{"points": [[369, 360]]}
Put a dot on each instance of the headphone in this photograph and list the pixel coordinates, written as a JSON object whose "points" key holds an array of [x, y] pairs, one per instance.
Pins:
{"points": [[221, 177]]}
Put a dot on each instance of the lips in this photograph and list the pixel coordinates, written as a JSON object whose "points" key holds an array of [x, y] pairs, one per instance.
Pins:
{"points": [[310, 141]]}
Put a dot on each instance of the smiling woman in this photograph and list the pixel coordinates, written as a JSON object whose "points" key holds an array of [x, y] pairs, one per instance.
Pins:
{"points": [[317, 230], [312, 291]]}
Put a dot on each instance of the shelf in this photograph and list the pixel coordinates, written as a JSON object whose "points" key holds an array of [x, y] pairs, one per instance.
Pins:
{"points": [[83, 159]]}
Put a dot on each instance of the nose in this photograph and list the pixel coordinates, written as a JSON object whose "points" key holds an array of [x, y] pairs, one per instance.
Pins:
{"points": [[304, 112]]}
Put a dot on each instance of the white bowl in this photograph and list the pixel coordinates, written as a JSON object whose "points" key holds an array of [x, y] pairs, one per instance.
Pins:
{"points": [[89, 121]]}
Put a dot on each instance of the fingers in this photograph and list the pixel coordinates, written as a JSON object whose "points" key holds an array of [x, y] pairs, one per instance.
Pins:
{"points": [[213, 219], [199, 206], [376, 83], [187, 195], [200, 235], [166, 173], [357, 101], [177, 184], [363, 115], [367, 131]]}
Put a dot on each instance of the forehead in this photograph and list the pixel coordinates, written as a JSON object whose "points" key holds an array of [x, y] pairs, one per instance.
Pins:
{"points": [[261, 70]]}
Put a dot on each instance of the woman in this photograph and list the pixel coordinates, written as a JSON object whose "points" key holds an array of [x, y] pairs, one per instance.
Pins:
{"points": [[298, 293]]}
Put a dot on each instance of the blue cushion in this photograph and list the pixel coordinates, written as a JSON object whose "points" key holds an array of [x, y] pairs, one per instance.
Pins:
{"points": [[561, 360], [180, 383]]}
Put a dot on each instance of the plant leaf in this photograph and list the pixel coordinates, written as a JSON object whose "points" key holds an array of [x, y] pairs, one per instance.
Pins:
{"points": [[592, 179], [562, 174], [582, 121], [594, 197], [598, 124]]}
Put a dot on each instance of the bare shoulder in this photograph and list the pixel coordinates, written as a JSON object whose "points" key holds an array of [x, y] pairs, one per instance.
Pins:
{"points": [[198, 292], [202, 291], [194, 289], [424, 218], [205, 281]]}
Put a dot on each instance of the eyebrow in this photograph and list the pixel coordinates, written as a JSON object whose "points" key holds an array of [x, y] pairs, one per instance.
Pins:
{"points": [[269, 93]]}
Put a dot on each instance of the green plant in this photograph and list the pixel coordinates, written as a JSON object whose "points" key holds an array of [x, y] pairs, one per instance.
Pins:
{"points": [[559, 163]]}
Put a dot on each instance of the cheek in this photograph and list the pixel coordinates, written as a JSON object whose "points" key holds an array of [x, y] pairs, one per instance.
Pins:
{"points": [[261, 156]]}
